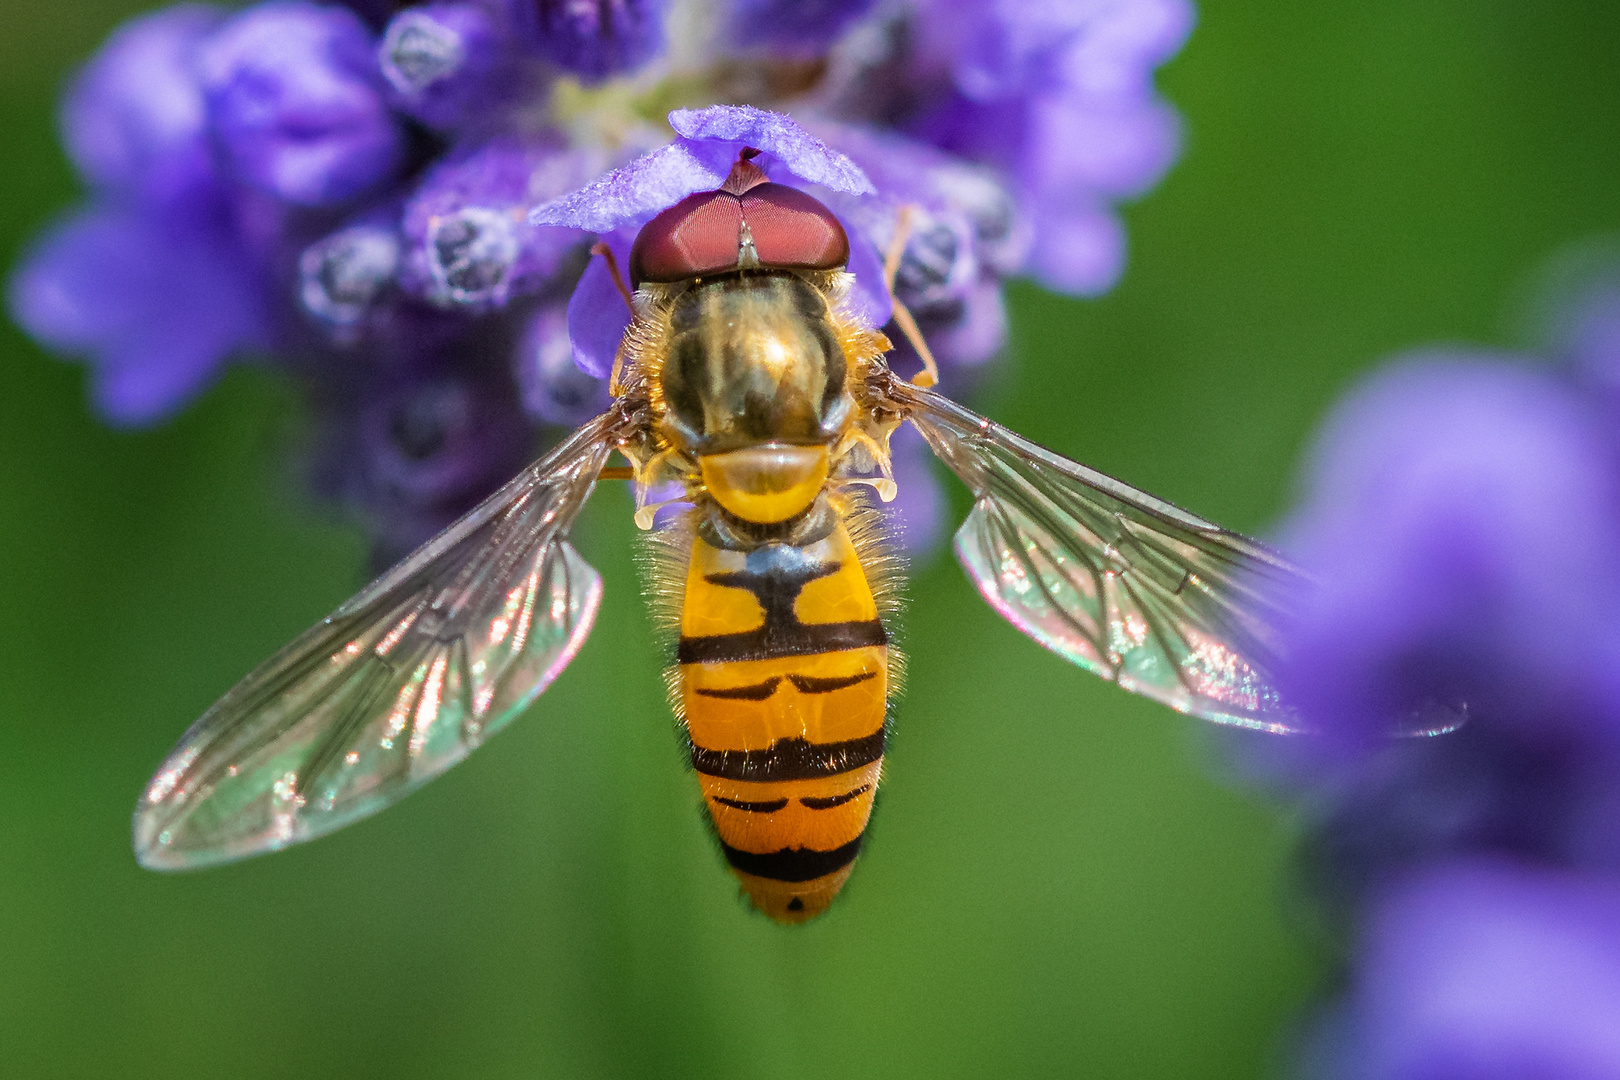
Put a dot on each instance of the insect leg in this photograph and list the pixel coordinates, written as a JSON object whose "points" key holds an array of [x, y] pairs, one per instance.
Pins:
{"points": [[929, 375]]}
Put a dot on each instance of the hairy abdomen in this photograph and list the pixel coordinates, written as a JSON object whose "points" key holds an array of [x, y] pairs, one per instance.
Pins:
{"points": [[784, 684]]}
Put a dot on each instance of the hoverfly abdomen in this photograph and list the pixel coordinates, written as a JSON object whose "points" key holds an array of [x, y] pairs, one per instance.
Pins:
{"points": [[784, 681]]}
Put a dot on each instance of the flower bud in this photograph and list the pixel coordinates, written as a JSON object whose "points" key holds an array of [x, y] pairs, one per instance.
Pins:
{"points": [[439, 60], [552, 386], [342, 277], [296, 105], [135, 121]]}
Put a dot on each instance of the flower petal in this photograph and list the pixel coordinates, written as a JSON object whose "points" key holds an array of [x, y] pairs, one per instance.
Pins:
{"points": [[699, 161], [779, 135], [155, 306], [597, 315]]}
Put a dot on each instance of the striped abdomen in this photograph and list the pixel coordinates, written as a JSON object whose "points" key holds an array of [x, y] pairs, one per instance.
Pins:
{"points": [[784, 682]]}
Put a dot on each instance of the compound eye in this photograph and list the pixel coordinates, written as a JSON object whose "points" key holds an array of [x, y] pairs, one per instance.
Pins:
{"points": [[793, 230], [698, 235], [703, 234]]}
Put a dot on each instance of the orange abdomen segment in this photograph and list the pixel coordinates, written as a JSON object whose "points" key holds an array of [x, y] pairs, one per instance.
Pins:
{"points": [[784, 680]]}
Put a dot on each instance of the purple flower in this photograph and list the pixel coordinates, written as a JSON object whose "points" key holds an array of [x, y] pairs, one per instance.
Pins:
{"points": [[619, 202], [964, 233], [350, 187], [1485, 971], [419, 451], [134, 120], [592, 38], [470, 244], [792, 26], [554, 388], [295, 102], [155, 304], [1056, 96], [443, 62], [1462, 515]]}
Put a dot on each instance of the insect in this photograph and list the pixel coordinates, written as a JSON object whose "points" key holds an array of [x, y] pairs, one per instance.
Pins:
{"points": [[745, 378]]}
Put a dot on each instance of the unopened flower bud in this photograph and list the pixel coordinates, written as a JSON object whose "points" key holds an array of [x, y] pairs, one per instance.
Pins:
{"points": [[593, 38], [343, 276], [438, 60], [295, 103], [553, 387]]}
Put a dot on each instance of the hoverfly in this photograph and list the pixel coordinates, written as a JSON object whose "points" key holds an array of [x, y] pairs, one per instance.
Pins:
{"points": [[745, 377]]}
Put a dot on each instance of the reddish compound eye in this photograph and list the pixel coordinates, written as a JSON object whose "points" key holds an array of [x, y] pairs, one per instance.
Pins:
{"points": [[703, 233]]}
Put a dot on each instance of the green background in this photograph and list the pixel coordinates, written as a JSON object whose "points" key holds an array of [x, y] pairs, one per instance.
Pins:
{"points": [[1055, 884]]}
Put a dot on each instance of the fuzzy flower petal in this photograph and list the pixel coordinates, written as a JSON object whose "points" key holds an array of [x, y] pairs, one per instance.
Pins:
{"points": [[804, 155], [1481, 971], [597, 314], [135, 121], [295, 99], [699, 161], [1442, 576], [592, 38], [155, 307]]}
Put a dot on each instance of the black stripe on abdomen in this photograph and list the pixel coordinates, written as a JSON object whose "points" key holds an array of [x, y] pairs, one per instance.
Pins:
{"points": [[770, 807], [789, 759], [778, 639], [815, 803], [793, 864]]}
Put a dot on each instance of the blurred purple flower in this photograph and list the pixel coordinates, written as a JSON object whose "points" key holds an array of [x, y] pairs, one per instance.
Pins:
{"points": [[592, 38], [134, 120], [1056, 96], [155, 304], [793, 27], [1489, 971], [295, 102], [469, 242], [443, 62], [423, 450], [963, 235], [1462, 515]]}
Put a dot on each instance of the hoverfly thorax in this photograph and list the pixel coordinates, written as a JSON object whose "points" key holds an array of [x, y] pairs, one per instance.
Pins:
{"points": [[755, 387]]}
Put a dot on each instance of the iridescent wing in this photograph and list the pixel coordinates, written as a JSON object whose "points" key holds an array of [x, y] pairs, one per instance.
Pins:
{"points": [[396, 685], [1129, 587]]}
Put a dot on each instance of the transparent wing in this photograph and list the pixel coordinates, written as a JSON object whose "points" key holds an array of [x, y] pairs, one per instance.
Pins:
{"points": [[394, 687], [1127, 586]]}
